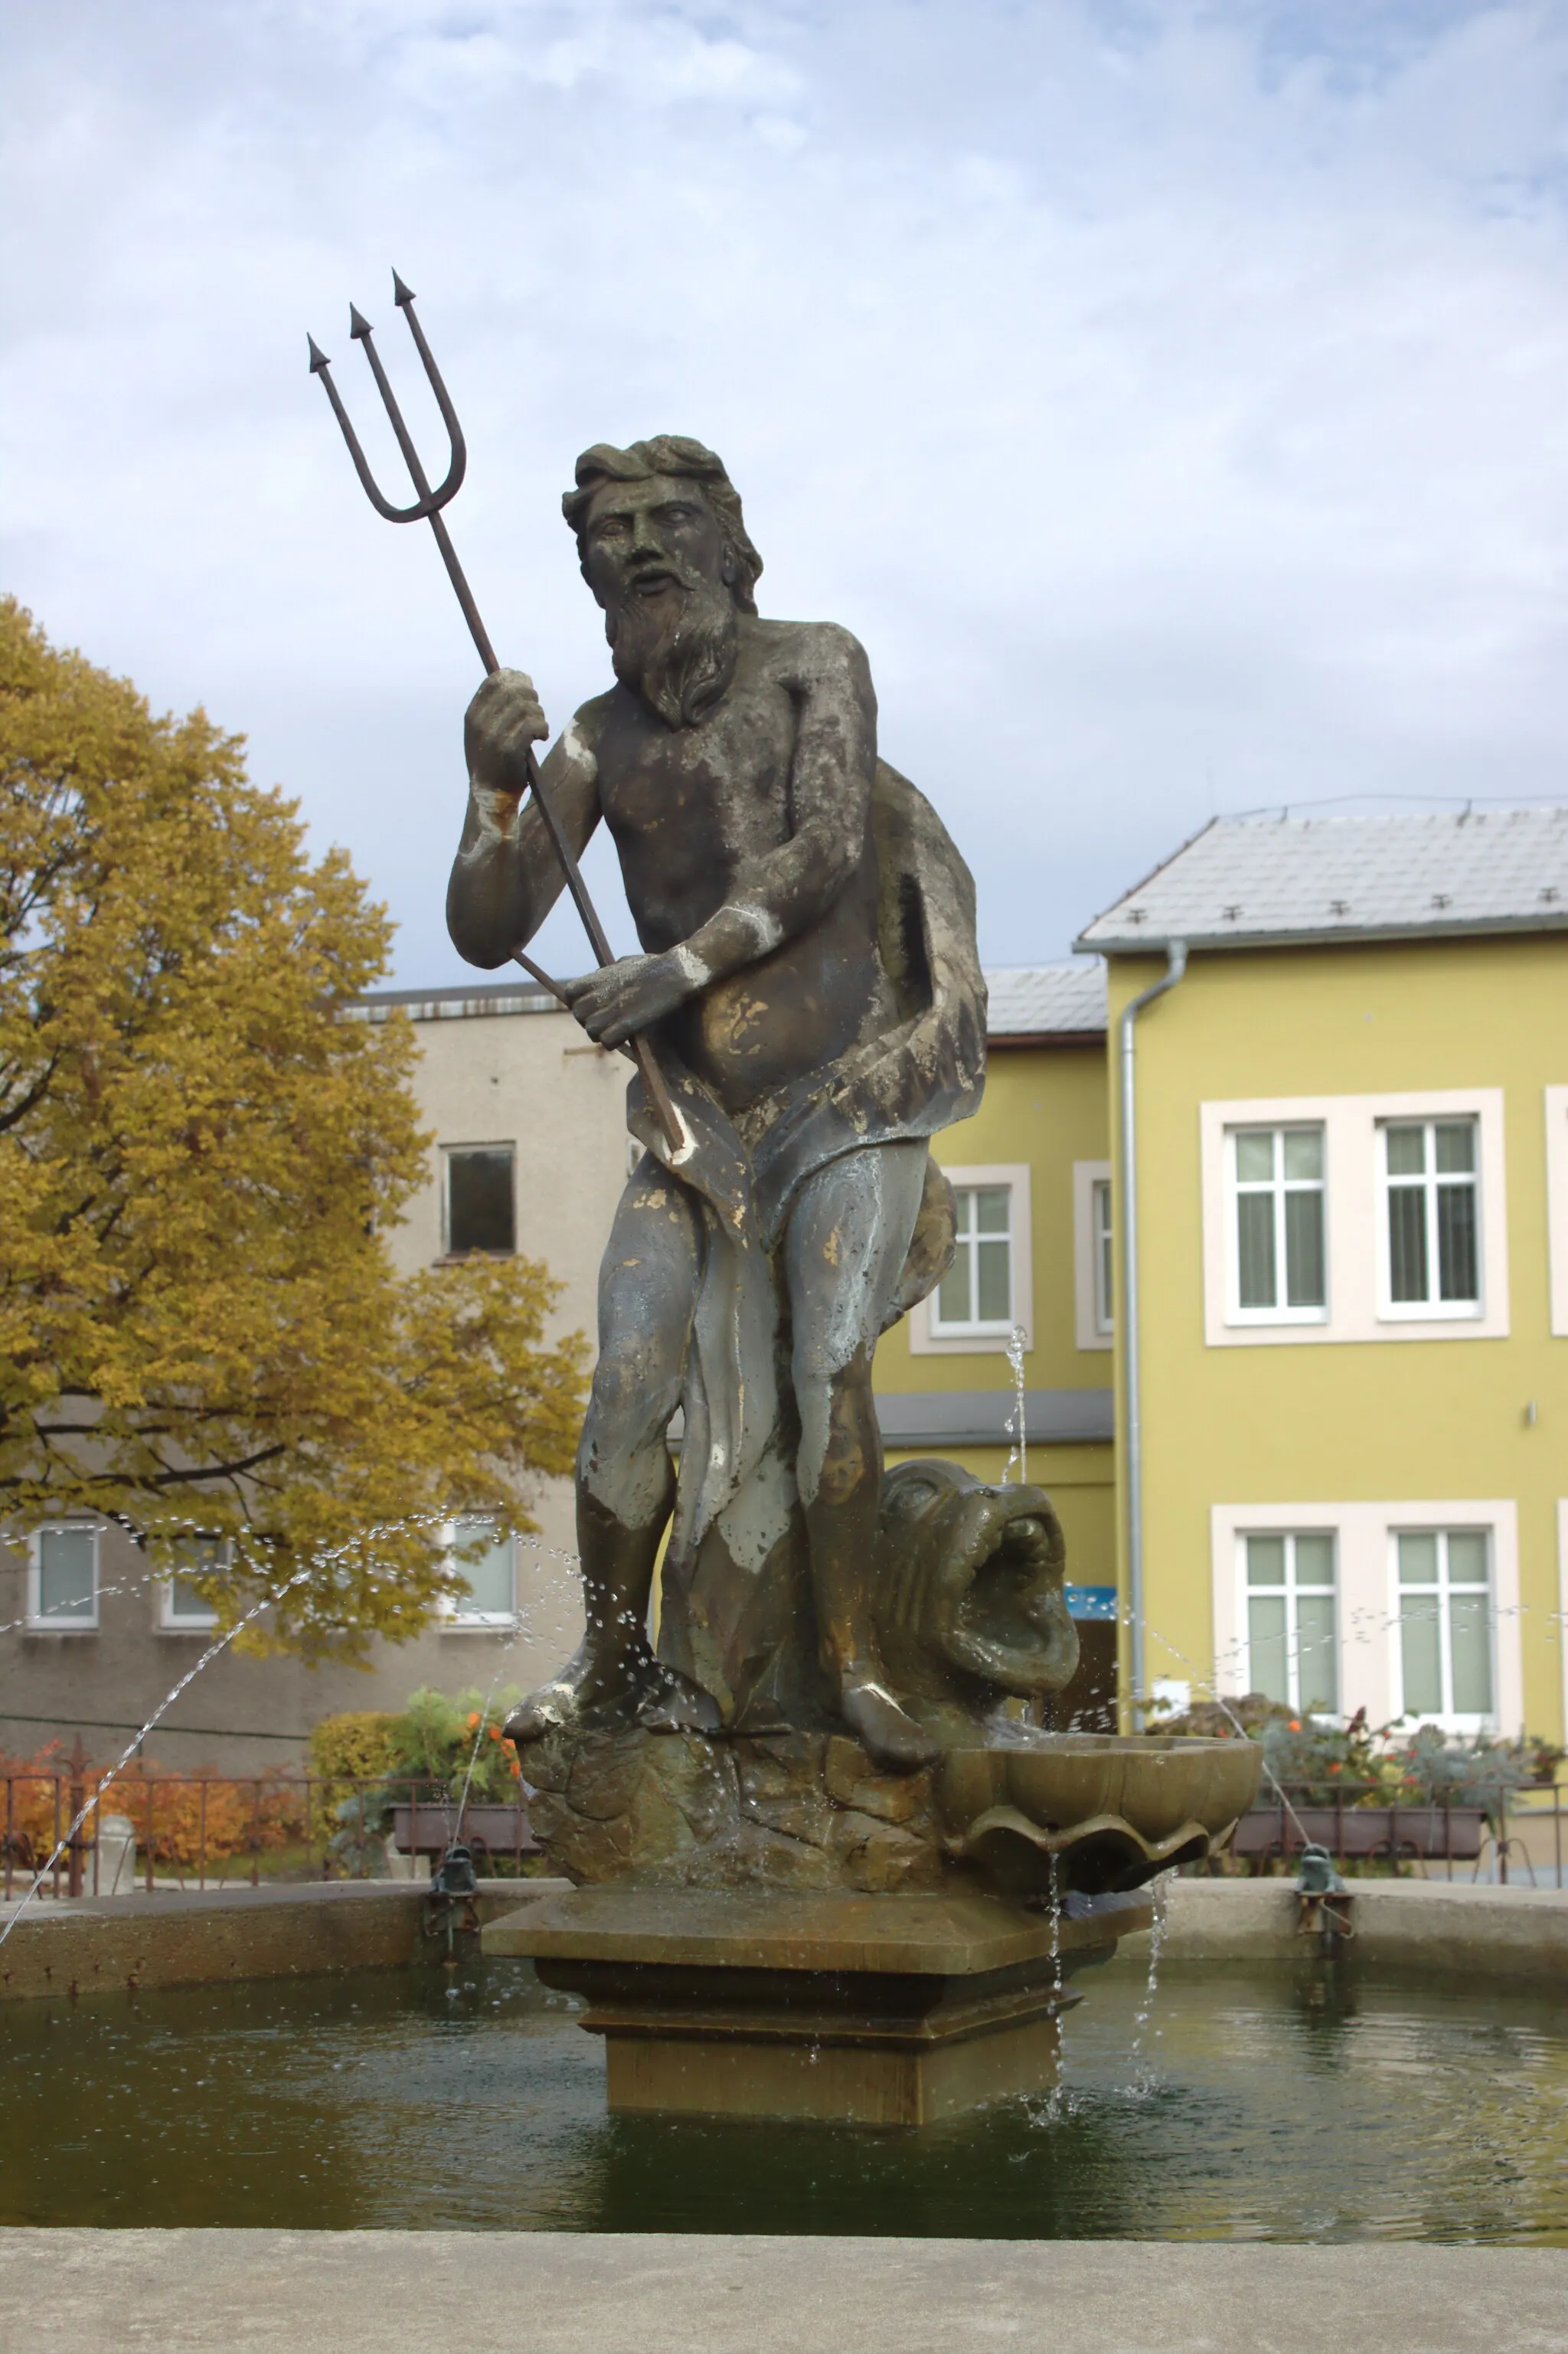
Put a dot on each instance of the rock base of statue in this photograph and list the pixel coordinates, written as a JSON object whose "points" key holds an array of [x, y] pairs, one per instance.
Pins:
{"points": [[886, 2009], [801, 1811], [1029, 1812]]}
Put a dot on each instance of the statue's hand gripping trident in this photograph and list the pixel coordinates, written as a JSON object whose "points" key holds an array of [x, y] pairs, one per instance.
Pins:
{"points": [[427, 508]]}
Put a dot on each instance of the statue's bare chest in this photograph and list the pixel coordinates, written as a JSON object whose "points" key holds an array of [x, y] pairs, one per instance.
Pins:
{"points": [[721, 787]]}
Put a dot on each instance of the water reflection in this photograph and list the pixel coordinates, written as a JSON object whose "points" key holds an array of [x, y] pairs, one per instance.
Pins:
{"points": [[1315, 2107]]}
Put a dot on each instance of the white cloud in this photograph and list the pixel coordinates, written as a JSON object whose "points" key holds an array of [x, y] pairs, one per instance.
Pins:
{"points": [[1170, 397]]}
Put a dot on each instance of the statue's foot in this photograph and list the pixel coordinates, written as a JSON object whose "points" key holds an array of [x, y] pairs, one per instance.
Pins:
{"points": [[671, 1702], [544, 1711], [583, 1697], [580, 1695], [884, 1730]]}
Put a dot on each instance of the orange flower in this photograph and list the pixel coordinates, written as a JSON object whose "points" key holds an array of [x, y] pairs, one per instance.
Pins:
{"points": [[517, 1771], [472, 1719], [1336, 1769], [494, 1731], [1295, 1725]]}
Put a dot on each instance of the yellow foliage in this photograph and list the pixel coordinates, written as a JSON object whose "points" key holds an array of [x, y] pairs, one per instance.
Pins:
{"points": [[354, 1746], [201, 1150], [180, 1819], [206, 1813]]}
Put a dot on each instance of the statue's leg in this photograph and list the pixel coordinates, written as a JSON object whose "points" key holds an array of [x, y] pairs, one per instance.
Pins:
{"points": [[626, 1481], [849, 1233]]}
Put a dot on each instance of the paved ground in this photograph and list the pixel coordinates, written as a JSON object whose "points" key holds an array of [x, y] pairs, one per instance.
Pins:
{"points": [[72, 2291]]}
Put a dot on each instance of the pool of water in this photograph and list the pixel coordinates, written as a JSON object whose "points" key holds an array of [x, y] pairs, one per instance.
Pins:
{"points": [[1233, 2107]]}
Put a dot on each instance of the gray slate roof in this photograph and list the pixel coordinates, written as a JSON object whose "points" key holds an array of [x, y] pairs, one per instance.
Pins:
{"points": [[1250, 881], [470, 1003], [1032, 1000], [1026, 1001]]}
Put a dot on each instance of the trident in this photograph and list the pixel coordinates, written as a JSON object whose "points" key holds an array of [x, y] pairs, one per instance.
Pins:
{"points": [[427, 508]]}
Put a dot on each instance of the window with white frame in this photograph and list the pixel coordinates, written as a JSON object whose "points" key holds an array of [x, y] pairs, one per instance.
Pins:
{"points": [[183, 1610], [1291, 1618], [1100, 1230], [1094, 1277], [1418, 1216], [1556, 1110], [975, 1297], [1431, 1225], [1444, 1656], [484, 1557], [479, 1213], [1278, 1256], [63, 1577]]}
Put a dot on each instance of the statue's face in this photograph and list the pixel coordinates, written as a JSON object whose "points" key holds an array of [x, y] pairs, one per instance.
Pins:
{"points": [[645, 540]]}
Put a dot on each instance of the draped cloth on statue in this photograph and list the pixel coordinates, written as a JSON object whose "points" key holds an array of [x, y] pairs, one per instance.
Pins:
{"points": [[736, 1610]]}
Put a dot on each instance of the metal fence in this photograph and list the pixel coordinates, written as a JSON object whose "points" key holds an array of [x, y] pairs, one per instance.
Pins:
{"points": [[1506, 1831], [204, 1830]]}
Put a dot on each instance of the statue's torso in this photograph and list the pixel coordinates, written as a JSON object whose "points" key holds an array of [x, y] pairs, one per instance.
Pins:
{"points": [[689, 809]]}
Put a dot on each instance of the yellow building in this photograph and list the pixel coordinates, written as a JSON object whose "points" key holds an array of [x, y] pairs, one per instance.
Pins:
{"points": [[1343, 1444], [1032, 1176]]}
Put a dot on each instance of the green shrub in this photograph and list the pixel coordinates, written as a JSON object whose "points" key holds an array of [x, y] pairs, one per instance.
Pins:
{"points": [[436, 1737], [353, 1747], [435, 1747]]}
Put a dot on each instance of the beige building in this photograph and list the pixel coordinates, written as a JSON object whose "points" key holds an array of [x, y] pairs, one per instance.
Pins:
{"points": [[530, 1154]]}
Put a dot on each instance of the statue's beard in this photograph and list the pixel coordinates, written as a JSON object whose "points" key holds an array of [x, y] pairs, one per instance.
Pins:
{"points": [[677, 650]]}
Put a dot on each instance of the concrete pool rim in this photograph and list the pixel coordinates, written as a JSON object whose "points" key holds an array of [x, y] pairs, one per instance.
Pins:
{"points": [[84, 1948]]}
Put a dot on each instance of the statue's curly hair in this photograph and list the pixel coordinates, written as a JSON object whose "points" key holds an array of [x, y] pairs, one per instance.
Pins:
{"points": [[670, 453]]}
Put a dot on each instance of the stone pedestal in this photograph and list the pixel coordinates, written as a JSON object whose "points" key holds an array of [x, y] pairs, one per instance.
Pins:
{"points": [[864, 2010]]}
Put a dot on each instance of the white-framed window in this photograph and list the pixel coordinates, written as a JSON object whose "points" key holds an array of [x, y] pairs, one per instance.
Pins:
{"points": [[62, 1578], [987, 1288], [1093, 1267], [1430, 1232], [975, 1296], [485, 1558], [1105, 1268], [1287, 1220], [180, 1610], [1444, 1661], [479, 1200], [1372, 1609], [1556, 1110], [1278, 1240], [1291, 1618]]}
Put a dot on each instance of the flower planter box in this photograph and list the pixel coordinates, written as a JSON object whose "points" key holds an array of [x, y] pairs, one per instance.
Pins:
{"points": [[1362, 1831], [428, 1826]]}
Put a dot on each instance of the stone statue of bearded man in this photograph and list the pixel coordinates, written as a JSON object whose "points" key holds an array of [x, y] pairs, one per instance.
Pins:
{"points": [[809, 984]]}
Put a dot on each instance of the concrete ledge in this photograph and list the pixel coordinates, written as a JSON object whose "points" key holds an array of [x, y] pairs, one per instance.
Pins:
{"points": [[86, 2292], [117, 1944], [1517, 1933], [104, 1946]]}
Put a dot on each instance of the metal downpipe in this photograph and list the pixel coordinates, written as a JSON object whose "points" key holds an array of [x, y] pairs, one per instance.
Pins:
{"points": [[1127, 1311]]}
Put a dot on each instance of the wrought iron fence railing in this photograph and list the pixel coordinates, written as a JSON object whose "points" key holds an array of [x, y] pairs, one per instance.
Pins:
{"points": [[202, 1831]]}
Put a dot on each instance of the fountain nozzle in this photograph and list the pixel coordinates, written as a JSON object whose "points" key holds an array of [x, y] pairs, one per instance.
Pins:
{"points": [[455, 1875]]}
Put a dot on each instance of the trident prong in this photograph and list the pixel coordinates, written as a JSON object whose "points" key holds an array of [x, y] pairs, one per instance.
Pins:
{"points": [[428, 505], [427, 508], [362, 332]]}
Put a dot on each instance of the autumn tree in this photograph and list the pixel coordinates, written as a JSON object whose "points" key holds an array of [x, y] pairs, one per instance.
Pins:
{"points": [[202, 1151]]}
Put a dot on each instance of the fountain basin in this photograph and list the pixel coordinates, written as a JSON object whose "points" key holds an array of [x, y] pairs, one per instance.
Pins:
{"points": [[1096, 1812]]}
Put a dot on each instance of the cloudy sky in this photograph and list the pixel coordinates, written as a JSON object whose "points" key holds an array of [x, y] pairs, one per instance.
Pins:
{"points": [[1172, 396]]}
